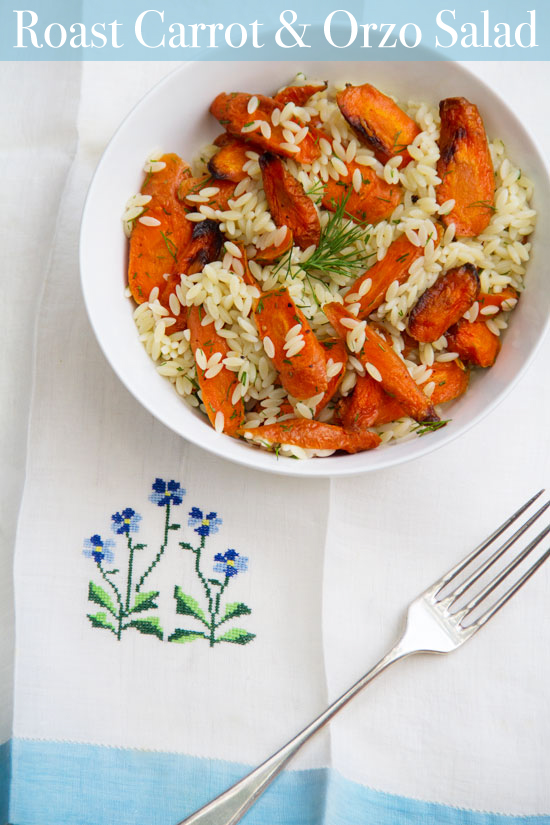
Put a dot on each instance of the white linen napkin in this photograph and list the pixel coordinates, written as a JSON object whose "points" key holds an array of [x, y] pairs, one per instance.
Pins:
{"points": [[317, 573]]}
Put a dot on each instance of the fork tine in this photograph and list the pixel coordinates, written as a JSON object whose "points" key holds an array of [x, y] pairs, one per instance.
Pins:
{"points": [[499, 552], [457, 570], [503, 574], [515, 587]]}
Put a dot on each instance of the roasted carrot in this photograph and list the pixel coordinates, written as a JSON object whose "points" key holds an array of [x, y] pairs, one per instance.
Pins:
{"points": [[304, 374], [288, 203], [272, 253], [228, 162], [314, 435], [232, 112], [361, 409], [444, 303], [153, 249], [396, 379], [204, 247], [369, 406], [393, 267], [474, 343], [194, 186], [495, 299], [335, 351], [378, 122], [451, 380], [375, 201], [465, 167], [218, 391], [163, 185], [299, 95]]}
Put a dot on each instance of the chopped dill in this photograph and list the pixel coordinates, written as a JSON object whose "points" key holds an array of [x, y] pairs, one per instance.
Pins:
{"points": [[170, 246], [483, 205]]}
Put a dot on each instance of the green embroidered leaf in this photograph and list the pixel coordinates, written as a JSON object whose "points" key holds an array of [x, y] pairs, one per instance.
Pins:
{"points": [[182, 636], [237, 636], [100, 620], [98, 595], [187, 605], [174, 526], [236, 609], [139, 546], [215, 581], [144, 601], [150, 627]]}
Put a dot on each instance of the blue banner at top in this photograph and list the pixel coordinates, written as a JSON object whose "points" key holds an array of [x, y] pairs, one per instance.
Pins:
{"points": [[252, 30]]}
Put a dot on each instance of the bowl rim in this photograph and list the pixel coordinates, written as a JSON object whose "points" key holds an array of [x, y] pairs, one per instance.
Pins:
{"points": [[308, 468]]}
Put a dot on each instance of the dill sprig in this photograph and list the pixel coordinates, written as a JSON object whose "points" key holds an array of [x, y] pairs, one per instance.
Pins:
{"points": [[332, 256], [430, 427], [317, 191]]}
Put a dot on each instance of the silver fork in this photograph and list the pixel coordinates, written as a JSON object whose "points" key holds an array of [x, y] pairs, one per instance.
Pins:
{"points": [[432, 627]]}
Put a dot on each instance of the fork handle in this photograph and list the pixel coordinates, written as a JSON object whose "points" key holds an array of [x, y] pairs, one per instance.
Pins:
{"points": [[230, 806]]}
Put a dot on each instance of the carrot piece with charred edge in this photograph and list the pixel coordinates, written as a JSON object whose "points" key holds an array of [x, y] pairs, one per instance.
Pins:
{"points": [[232, 112], [153, 249], [494, 299], [378, 122], [375, 202], [314, 435], [228, 162], [475, 343], [444, 303], [272, 253], [205, 246], [304, 374], [465, 168], [193, 186], [393, 267], [217, 392], [336, 349], [288, 203], [396, 379], [299, 95]]}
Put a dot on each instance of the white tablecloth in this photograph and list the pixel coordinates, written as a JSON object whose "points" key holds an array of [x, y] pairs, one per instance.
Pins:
{"points": [[331, 564]]}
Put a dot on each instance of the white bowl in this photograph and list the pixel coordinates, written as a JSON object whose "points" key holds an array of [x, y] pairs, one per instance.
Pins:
{"points": [[174, 117]]}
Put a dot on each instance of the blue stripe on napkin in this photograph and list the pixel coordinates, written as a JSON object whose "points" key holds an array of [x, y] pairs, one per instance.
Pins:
{"points": [[5, 763], [73, 784]]}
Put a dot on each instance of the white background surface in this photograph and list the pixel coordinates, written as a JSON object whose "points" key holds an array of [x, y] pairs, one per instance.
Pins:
{"points": [[332, 575]]}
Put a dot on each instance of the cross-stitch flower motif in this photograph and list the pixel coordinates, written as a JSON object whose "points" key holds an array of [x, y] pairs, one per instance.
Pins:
{"points": [[205, 525], [166, 492], [98, 549], [126, 522], [230, 563]]}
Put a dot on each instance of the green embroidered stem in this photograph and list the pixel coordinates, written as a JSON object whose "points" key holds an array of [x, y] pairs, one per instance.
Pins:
{"points": [[212, 613], [161, 551], [130, 572], [121, 613], [215, 614]]}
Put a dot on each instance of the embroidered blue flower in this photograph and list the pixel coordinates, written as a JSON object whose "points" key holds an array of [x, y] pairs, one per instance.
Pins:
{"points": [[98, 549], [126, 522], [205, 525], [166, 492], [230, 563]]}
